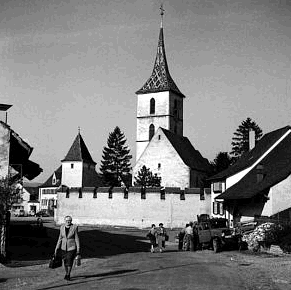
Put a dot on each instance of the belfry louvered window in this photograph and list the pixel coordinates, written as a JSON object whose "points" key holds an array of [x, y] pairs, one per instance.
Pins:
{"points": [[151, 131], [152, 106]]}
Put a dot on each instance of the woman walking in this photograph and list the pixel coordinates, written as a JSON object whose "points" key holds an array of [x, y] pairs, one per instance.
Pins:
{"points": [[69, 244], [161, 237], [152, 235]]}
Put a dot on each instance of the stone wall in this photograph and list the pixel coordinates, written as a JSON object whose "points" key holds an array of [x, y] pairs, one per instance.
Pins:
{"points": [[102, 207]]}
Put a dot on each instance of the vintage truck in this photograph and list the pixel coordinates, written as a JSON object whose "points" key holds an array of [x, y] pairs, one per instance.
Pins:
{"points": [[215, 233]]}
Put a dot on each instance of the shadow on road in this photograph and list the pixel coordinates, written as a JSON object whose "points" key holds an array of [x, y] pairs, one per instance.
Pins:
{"points": [[30, 245]]}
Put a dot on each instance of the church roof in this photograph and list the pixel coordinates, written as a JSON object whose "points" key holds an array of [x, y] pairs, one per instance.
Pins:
{"points": [[160, 79], [79, 151], [190, 156]]}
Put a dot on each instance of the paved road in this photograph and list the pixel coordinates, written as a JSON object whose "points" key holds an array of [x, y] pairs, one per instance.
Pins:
{"points": [[119, 259]]}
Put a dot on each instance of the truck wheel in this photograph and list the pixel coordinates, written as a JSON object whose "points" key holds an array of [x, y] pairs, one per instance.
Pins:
{"points": [[215, 245]]}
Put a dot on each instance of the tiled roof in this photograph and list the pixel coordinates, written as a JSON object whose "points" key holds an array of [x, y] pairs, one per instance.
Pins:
{"points": [[187, 152], [160, 80], [49, 181], [252, 156], [276, 167], [79, 151]]}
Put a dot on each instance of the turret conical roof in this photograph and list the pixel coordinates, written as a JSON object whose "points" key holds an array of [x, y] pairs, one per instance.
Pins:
{"points": [[160, 80], [79, 151]]}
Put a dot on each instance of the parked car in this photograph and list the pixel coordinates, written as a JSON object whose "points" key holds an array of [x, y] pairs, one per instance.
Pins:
{"points": [[31, 213], [19, 212], [215, 233], [42, 213]]}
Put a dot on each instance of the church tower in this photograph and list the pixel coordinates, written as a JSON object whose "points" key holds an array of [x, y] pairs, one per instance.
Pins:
{"points": [[159, 101]]}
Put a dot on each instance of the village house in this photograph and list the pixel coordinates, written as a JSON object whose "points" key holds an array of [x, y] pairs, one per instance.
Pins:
{"points": [[27, 200], [48, 192], [258, 184]]}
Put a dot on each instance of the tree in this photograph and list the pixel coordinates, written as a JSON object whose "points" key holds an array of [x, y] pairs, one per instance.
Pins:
{"points": [[221, 162], [240, 141], [115, 166], [146, 178]]}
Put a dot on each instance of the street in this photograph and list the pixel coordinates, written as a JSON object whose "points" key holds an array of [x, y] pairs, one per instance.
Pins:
{"points": [[119, 259]]}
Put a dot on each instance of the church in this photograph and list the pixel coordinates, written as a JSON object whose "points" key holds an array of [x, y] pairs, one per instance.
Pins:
{"points": [[160, 144]]}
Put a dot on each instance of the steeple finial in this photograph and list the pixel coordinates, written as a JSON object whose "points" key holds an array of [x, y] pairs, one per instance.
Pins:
{"points": [[162, 14]]}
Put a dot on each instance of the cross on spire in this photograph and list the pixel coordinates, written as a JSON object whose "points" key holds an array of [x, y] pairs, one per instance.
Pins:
{"points": [[162, 14]]}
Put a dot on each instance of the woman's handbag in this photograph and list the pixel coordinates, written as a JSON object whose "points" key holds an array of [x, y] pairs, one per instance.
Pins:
{"points": [[55, 262], [78, 260]]}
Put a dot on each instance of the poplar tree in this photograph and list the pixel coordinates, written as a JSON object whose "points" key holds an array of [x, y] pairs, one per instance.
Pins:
{"points": [[115, 166], [240, 141], [146, 178]]}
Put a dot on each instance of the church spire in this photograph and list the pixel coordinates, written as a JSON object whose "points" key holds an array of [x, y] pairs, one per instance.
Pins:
{"points": [[160, 79]]}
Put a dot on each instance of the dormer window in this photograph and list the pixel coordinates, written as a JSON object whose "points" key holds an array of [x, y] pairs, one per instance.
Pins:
{"points": [[152, 106]]}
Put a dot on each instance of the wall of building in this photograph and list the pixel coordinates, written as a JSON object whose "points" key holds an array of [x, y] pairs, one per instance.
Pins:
{"points": [[173, 171], [4, 151], [47, 197], [134, 211], [72, 177]]}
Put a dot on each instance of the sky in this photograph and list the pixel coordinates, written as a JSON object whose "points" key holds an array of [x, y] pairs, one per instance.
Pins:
{"points": [[68, 64]]}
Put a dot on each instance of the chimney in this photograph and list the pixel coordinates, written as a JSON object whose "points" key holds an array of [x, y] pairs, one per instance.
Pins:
{"points": [[252, 139]]}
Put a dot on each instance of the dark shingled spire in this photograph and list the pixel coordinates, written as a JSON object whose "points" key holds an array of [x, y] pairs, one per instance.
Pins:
{"points": [[160, 80], [79, 151]]}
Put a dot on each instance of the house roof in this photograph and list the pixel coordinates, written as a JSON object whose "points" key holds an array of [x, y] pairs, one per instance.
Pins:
{"points": [[276, 166], [91, 179], [252, 156], [187, 152], [79, 151], [160, 79], [49, 181]]}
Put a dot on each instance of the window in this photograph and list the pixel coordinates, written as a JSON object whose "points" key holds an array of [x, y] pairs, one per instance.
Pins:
{"points": [[95, 193], [80, 193], [143, 193], [217, 187], [125, 193], [110, 192], [159, 137], [162, 194], [67, 193], [182, 195], [152, 106], [202, 196], [151, 131], [175, 108], [218, 208], [72, 165], [159, 166]]}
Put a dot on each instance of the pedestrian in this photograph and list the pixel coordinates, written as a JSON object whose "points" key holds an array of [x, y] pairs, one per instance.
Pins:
{"points": [[152, 235], [188, 238], [181, 237], [195, 236], [69, 244], [161, 237]]}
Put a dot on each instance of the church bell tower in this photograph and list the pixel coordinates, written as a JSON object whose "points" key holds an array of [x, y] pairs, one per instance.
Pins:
{"points": [[159, 101]]}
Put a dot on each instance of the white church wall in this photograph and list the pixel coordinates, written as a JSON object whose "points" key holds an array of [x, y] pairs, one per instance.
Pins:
{"points": [[134, 211], [162, 158]]}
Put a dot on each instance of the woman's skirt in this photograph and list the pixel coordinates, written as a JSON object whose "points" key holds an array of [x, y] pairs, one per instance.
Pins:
{"points": [[68, 257]]}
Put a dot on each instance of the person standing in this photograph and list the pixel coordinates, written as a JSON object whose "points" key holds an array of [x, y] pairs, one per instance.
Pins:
{"points": [[161, 237], [69, 244], [152, 235], [188, 238], [181, 237]]}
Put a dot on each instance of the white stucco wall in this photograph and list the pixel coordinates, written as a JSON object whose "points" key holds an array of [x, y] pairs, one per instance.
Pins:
{"points": [[173, 171], [72, 177], [134, 211], [4, 151]]}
